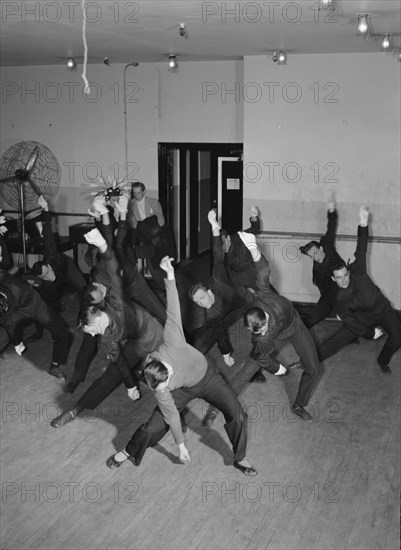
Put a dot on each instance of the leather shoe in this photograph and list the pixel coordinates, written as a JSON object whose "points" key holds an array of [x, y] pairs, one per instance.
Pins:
{"points": [[246, 470], [112, 463], [64, 418], [70, 388], [258, 377], [57, 373], [209, 418], [385, 368], [302, 413]]}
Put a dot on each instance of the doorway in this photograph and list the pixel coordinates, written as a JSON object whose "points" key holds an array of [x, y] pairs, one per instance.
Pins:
{"points": [[193, 178]]}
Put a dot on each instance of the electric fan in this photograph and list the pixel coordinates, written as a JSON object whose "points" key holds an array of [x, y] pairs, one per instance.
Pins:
{"points": [[28, 170]]}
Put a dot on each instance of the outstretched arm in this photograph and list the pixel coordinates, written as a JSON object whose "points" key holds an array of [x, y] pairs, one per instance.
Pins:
{"points": [[363, 236], [254, 221], [219, 270], [173, 333]]}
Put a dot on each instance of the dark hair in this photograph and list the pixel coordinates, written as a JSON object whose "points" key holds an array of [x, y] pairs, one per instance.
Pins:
{"points": [[305, 249], [86, 294], [254, 319], [154, 373], [194, 289], [85, 313], [137, 184], [37, 268], [337, 266]]}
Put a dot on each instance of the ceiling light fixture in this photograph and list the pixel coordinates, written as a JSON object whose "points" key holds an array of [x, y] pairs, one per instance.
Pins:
{"points": [[182, 29], [172, 62], [386, 43], [280, 57], [71, 64], [363, 27], [326, 4]]}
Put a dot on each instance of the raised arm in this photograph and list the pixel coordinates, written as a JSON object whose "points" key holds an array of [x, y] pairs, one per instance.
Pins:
{"points": [[173, 333], [218, 269], [362, 244], [254, 221]]}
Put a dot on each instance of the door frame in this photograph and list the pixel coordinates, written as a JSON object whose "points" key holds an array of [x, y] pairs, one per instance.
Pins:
{"points": [[229, 150]]}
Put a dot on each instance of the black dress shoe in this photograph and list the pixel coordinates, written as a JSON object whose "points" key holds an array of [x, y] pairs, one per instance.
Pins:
{"points": [[56, 372], [63, 419], [302, 413], [258, 377], [112, 463], [385, 368], [246, 470], [70, 388]]}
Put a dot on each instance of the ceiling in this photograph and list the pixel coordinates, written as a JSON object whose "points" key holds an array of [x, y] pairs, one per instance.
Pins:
{"points": [[47, 32]]}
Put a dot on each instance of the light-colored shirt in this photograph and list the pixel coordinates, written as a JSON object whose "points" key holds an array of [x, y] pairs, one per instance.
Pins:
{"points": [[188, 364]]}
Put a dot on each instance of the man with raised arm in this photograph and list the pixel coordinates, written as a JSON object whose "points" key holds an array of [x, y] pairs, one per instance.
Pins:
{"points": [[178, 373], [361, 305]]}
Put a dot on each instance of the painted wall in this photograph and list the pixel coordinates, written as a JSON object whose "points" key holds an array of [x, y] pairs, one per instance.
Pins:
{"points": [[321, 123], [86, 133], [318, 123]]}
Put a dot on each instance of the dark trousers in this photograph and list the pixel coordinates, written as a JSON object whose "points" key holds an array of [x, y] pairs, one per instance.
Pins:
{"points": [[301, 339], [336, 342], [85, 356], [215, 391], [139, 290], [319, 312], [47, 318], [73, 275], [103, 386], [391, 322]]}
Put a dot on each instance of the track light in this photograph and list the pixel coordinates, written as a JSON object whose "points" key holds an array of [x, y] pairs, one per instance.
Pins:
{"points": [[172, 62], [280, 57], [386, 43], [326, 4], [363, 28], [182, 29], [71, 64]]}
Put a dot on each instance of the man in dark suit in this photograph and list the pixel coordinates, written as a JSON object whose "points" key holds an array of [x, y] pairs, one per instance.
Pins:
{"points": [[361, 305]]}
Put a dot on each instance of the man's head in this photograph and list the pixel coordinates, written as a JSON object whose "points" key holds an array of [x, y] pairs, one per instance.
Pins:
{"points": [[340, 275], [156, 375], [94, 293], [44, 271], [256, 320], [93, 320], [201, 295], [138, 190], [225, 240], [314, 250]]}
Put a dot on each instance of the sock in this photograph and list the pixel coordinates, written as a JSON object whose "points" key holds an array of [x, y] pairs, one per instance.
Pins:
{"points": [[282, 370], [121, 456]]}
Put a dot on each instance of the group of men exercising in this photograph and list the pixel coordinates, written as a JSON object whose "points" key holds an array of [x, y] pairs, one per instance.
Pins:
{"points": [[142, 334]]}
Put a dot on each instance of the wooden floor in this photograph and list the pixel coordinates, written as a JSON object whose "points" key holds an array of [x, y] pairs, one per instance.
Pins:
{"points": [[332, 484]]}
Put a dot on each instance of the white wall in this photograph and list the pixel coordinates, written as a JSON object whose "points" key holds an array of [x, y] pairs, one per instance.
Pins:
{"points": [[335, 118], [86, 133]]}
